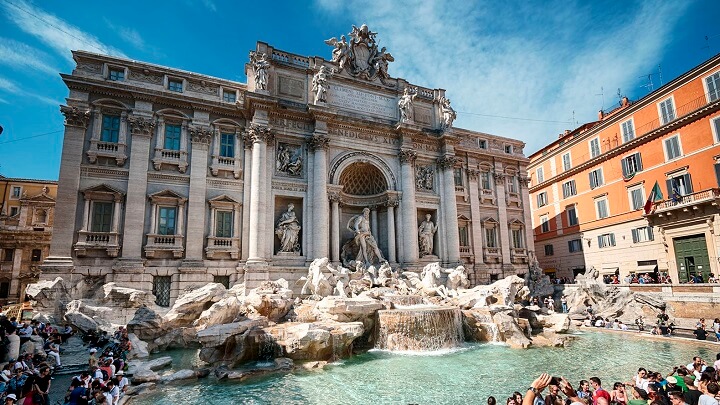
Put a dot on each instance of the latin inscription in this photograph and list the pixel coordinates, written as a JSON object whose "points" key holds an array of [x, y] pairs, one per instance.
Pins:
{"points": [[364, 136], [292, 124], [423, 115], [369, 103]]}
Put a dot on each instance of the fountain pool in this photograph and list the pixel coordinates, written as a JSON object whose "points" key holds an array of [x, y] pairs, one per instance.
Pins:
{"points": [[466, 375]]}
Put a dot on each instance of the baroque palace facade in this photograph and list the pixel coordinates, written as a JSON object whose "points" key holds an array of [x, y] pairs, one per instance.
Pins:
{"points": [[171, 179], [590, 187]]}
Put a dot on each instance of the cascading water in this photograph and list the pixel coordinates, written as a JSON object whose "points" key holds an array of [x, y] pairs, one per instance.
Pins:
{"points": [[419, 329]]}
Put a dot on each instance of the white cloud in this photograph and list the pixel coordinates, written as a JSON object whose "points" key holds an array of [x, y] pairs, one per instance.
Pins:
{"points": [[519, 60], [53, 31], [21, 56], [209, 4], [8, 86], [12, 88], [128, 35]]}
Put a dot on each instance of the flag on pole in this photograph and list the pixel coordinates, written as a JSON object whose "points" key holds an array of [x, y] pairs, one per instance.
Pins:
{"points": [[655, 194]]}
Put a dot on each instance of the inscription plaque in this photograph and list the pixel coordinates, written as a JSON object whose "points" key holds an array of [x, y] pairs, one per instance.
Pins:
{"points": [[291, 87], [356, 100]]}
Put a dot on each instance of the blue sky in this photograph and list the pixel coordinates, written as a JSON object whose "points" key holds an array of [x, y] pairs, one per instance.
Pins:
{"points": [[512, 68]]}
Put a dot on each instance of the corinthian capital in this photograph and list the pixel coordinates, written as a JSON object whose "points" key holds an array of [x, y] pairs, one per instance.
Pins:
{"points": [[473, 173], [446, 162], [407, 156], [141, 126], [499, 178], [75, 117], [257, 133], [318, 142], [201, 135]]}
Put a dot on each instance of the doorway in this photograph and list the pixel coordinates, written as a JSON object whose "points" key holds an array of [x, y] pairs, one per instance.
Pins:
{"points": [[691, 256]]}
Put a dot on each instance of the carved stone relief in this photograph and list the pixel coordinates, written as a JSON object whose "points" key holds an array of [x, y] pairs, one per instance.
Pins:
{"points": [[289, 159], [425, 178]]}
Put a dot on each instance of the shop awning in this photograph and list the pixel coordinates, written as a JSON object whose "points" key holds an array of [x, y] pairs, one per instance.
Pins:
{"points": [[550, 270]]}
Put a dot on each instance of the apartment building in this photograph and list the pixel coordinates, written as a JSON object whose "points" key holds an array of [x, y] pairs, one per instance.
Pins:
{"points": [[589, 188]]}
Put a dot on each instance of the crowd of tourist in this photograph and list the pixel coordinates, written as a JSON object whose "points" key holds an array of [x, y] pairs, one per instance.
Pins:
{"points": [[693, 384], [642, 278]]}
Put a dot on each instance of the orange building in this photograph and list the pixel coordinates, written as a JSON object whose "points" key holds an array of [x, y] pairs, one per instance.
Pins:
{"points": [[589, 187]]}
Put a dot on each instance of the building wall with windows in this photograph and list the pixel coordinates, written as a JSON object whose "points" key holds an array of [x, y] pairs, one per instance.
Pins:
{"points": [[671, 137], [171, 179], [27, 212]]}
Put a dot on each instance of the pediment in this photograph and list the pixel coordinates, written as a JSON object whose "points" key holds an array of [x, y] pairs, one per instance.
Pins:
{"points": [[223, 198], [166, 194], [40, 198], [516, 221], [462, 217], [102, 189], [490, 220]]}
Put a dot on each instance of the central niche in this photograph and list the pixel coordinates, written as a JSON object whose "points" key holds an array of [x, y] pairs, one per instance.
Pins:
{"points": [[362, 178]]}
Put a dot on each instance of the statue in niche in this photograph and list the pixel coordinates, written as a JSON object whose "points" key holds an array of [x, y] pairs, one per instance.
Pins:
{"points": [[424, 176], [368, 250], [448, 113], [288, 231], [289, 160], [405, 105], [426, 234], [260, 66], [320, 84]]}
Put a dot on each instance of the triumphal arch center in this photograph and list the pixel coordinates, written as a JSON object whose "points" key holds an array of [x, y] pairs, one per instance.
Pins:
{"points": [[172, 179]]}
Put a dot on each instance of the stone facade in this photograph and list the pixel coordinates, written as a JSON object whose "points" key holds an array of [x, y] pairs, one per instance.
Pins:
{"points": [[27, 213], [195, 174]]}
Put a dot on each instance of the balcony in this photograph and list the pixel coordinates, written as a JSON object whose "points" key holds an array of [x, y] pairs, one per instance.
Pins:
{"points": [[518, 255], [486, 194], [687, 203], [228, 164], [514, 199], [492, 254], [171, 157], [89, 241], [112, 150], [164, 246], [220, 248]]}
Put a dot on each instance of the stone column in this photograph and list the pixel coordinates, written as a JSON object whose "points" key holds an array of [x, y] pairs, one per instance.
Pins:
{"points": [[17, 265], [391, 204], [319, 144], [247, 170], [374, 221], [527, 214], [335, 228], [76, 122], [259, 136], [200, 140], [180, 228], [476, 221], [407, 205], [448, 202], [504, 235], [141, 130], [117, 206], [86, 215]]}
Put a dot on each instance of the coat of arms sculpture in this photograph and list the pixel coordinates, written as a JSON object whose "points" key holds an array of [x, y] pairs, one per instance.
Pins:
{"points": [[361, 56]]}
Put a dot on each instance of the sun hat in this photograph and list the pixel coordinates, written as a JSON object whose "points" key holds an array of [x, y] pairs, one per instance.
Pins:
{"points": [[11, 396], [671, 379], [120, 373], [93, 350]]}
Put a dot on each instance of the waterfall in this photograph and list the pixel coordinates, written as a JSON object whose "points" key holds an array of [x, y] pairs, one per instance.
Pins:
{"points": [[419, 329], [267, 348], [493, 332]]}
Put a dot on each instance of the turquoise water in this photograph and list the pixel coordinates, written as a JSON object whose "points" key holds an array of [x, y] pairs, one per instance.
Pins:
{"points": [[468, 375]]}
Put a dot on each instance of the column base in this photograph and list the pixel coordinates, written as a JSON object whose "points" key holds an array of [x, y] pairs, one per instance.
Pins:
{"points": [[56, 266]]}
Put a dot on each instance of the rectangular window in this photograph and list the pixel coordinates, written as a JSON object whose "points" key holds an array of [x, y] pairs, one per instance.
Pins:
{"points": [[594, 147], [116, 74], [36, 255], [482, 144], [572, 216], [227, 145], [667, 111], [102, 216], [229, 96], [575, 245], [14, 211], [643, 234], [8, 255], [166, 220], [717, 173], [223, 224], [601, 208], [485, 180], [490, 237], [175, 85], [672, 148], [172, 136], [637, 200], [606, 239], [463, 234], [517, 238], [542, 199], [544, 224], [567, 164], [716, 128], [540, 173], [569, 189], [628, 131], [508, 149], [110, 128], [679, 186], [549, 250], [224, 280], [631, 164], [512, 184], [16, 192], [457, 175], [4, 289], [596, 178], [161, 290], [713, 85]]}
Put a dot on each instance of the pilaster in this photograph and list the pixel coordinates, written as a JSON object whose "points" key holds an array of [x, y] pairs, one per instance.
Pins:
{"points": [[319, 144], [448, 203], [407, 206], [504, 239], [200, 137], [260, 136]]}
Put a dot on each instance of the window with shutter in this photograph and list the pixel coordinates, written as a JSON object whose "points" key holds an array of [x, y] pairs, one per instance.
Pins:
{"points": [[717, 173], [716, 128], [713, 85], [628, 131], [667, 111], [635, 235]]}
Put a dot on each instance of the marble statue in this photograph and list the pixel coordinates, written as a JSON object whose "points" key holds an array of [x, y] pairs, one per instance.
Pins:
{"points": [[341, 53], [316, 282], [289, 160], [426, 234], [288, 231], [380, 64], [405, 105], [320, 84], [260, 68], [456, 279], [448, 113], [369, 252], [428, 282], [424, 178], [361, 57]]}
